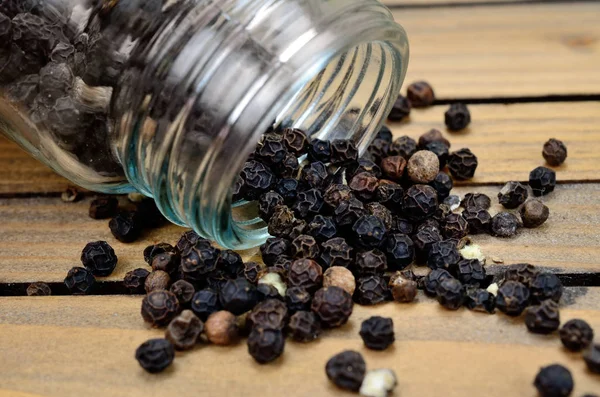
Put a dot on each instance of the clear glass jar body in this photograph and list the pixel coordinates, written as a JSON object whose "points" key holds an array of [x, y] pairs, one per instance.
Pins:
{"points": [[169, 97]]}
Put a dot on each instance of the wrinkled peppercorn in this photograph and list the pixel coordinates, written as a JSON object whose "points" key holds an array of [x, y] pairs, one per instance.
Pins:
{"points": [[377, 332], [471, 272], [336, 252], [370, 290], [420, 94], [38, 289], [199, 260], [335, 194], [534, 213], [392, 167], [166, 261], [384, 133], [389, 194], [504, 224], [271, 313], [183, 290], [403, 289], [258, 179], [319, 150], [155, 355], [270, 150], [308, 204], [591, 356], [321, 227], [543, 318], [403, 146], [378, 149], [252, 270], [346, 370], [188, 240], [230, 264], [288, 168], [364, 185], [423, 166], [433, 280], [442, 183], [554, 152], [295, 141], [159, 307], [205, 302], [125, 227], [450, 293], [443, 255], [546, 286], [265, 345], [420, 202], [478, 219], [457, 117], [284, 223], [80, 281], [512, 195], [401, 225], [333, 306], [99, 258], [400, 109], [343, 152], [576, 335], [103, 207], [542, 181], [157, 280], [423, 240], [480, 300], [135, 280], [369, 231], [462, 164], [305, 273], [348, 212], [399, 249], [288, 189], [297, 299], [512, 298], [267, 291], [304, 326], [370, 262], [455, 226], [363, 165], [267, 203], [521, 272], [153, 250], [338, 276], [221, 328], [274, 248], [554, 381], [476, 201], [430, 136], [440, 150], [238, 296], [184, 330], [314, 174], [380, 211]]}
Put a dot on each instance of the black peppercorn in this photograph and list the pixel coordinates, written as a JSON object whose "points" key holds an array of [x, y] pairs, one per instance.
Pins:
{"points": [[308, 203], [295, 141], [442, 183], [321, 227], [205, 302], [348, 212], [420, 94], [238, 190], [369, 231], [384, 133], [343, 152], [512, 195], [371, 290], [380, 211], [404, 146], [333, 306], [440, 150], [99, 258], [450, 293], [304, 326], [267, 291], [591, 356], [370, 262], [504, 224], [399, 249], [267, 203], [319, 150], [274, 248], [135, 280], [336, 252], [476, 201], [433, 280], [377, 332], [183, 290], [265, 345], [455, 226], [554, 381], [271, 313], [103, 207], [390, 194], [166, 261], [443, 255], [457, 117], [400, 109], [288, 168], [423, 240], [188, 240], [153, 250], [432, 135], [480, 300], [336, 193], [155, 355], [576, 335], [462, 164], [270, 150], [314, 174], [305, 273], [230, 264], [183, 331], [392, 167], [160, 307], [199, 260], [346, 370], [258, 179], [470, 272], [554, 152], [546, 286], [80, 281], [38, 289], [238, 296], [364, 185], [543, 318], [401, 225], [542, 181], [478, 219], [378, 149], [288, 189], [284, 223], [125, 227], [297, 299], [252, 270], [521, 272], [420, 202], [363, 165], [512, 298], [534, 213]]}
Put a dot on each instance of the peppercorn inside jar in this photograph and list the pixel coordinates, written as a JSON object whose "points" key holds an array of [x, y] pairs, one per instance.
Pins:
{"points": [[170, 97]]}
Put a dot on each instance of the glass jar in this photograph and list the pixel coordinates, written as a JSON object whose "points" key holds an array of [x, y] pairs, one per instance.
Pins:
{"points": [[169, 97]]}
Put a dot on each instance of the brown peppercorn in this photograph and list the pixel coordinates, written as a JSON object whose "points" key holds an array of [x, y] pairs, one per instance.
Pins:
{"points": [[534, 213], [38, 289], [252, 270], [543, 318], [333, 306], [364, 185], [403, 289], [183, 290], [512, 195], [521, 272], [389, 194], [304, 246], [271, 313], [305, 273], [157, 280], [420, 94], [183, 331], [554, 152], [382, 212], [423, 166], [393, 167], [159, 307], [221, 328], [304, 326], [431, 136], [335, 194], [338, 276]]}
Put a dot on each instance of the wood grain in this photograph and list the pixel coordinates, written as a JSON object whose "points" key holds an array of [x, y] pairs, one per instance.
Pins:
{"points": [[41, 239], [71, 346], [505, 50]]}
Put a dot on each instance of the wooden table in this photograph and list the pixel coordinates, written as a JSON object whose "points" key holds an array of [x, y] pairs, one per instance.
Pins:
{"points": [[530, 71]]}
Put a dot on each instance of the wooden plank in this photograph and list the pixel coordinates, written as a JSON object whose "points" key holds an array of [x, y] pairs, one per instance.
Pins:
{"points": [[61, 346], [41, 239], [505, 50]]}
